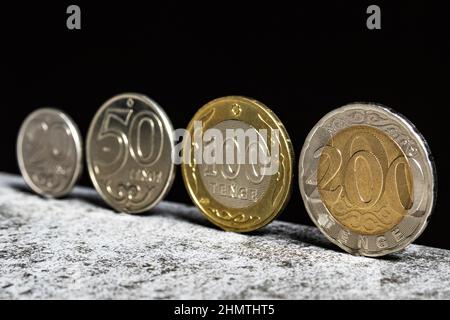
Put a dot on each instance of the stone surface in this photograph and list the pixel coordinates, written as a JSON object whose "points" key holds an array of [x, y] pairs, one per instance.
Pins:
{"points": [[77, 248]]}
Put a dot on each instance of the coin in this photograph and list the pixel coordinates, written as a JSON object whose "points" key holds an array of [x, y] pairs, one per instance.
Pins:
{"points": [[238, 196], [49, 152], [367, 179], [129, 153]]}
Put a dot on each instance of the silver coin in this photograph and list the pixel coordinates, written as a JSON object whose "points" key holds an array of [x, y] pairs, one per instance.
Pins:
{"points": [[367, 179], [49, 152], [216, 179], [129, 152]]}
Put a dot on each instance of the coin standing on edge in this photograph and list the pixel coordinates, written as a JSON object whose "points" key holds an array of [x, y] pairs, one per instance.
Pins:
{"points": [[49, 152], [238, 197], [129, 153], [367, 179]]}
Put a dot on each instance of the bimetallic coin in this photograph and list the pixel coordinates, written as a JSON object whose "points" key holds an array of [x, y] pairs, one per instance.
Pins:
{"points": [[129, 153], [238, 196], [367, 179], [49, 152]]}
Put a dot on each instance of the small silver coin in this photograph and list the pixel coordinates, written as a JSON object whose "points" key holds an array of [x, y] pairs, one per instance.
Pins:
{"points": [[129, 153], [49, 152], [367, 179]]}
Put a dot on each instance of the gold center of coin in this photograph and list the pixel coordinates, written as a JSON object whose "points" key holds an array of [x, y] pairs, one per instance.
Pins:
{"points": [[364, 180]]}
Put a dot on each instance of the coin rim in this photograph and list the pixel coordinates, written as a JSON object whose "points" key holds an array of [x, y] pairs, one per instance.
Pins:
{"points": [[428, 161], [78, 149], [291, 156], [168, 126]]}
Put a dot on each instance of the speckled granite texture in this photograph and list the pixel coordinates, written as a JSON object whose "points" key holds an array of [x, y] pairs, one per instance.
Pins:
{"points": [[77, 248]]}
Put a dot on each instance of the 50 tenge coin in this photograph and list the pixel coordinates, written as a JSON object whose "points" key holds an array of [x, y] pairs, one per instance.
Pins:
{"points": [[237, 196], [129, 153], [367, 179], [49, 152]]}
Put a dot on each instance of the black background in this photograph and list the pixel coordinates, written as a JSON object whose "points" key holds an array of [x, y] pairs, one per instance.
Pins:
{"points": [[301, 60]]}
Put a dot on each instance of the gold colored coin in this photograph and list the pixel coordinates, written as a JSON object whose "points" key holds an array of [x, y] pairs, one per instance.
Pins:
{"points": [[248, 181], [364, 180]]}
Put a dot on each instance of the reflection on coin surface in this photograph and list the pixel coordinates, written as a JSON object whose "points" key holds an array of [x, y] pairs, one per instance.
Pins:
{"points": [[129, 153], [237, 196], [367, 180], [49, 152]]}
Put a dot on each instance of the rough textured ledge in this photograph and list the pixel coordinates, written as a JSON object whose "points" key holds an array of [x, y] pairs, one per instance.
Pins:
{"points": [[77, 248]]}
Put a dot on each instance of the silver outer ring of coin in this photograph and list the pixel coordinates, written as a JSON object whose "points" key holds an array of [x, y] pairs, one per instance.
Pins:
{"points": [[403, 132], [167, 125], [78, 149]]}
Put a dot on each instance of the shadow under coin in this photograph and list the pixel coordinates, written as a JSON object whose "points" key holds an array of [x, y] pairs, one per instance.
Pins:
{"points": [[394, 257], [163, 209], [91, 198], [180, 212], [20, 187], [313, 236], [298, 233]]}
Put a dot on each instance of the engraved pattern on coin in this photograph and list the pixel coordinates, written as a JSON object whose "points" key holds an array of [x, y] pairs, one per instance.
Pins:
{"points": [[234, 196], [235, 218], [49, 152], [374, 119], [365, 180], [369, 158], [129, 153]]}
